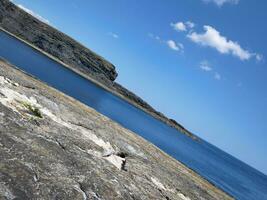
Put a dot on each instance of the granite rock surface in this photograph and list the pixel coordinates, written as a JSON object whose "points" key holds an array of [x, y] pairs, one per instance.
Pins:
{"points": [[54, 147]]}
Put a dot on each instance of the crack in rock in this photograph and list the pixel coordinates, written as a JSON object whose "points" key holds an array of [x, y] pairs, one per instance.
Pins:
{"points": [[80, 189], [60, 145], [35, 175]]}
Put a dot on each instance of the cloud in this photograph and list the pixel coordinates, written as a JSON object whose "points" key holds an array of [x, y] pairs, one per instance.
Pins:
{"points": [[259, 57], [170, 43], [114, 35], [175, 46], [179, 26], [33, 14], [155, 37], [212, 38], [182, 26], [190, 24], [221, 2], [217, 76], [205, 66]]}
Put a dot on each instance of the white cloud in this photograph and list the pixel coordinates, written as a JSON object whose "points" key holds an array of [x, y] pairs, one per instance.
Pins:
{"points": [[221, 2], [170, 43], [175, 46], [259, 57], [212, 38], [217, 76], [190, 24], [114, 35], [205, 66], [155, 37], [179, 26], [182, 26], [33, 14]]}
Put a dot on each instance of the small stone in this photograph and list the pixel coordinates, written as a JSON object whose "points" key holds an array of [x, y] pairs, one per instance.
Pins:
{"points": [[15, 84]]}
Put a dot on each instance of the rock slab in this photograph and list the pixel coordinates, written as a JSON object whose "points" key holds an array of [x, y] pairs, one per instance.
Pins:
{"points": [[54, 147]]}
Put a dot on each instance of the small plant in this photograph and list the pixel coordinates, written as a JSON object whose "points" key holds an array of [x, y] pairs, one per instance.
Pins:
{"points": [[32, 109]]}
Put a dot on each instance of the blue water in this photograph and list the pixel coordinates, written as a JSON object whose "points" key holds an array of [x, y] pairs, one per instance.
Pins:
{"points": [[223, 170]]}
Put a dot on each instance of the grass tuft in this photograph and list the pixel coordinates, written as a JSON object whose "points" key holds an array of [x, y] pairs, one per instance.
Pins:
{"points": [[32, 109]]}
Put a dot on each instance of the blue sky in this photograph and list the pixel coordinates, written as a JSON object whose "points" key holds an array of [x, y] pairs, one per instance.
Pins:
{"points": [[201, 62]]}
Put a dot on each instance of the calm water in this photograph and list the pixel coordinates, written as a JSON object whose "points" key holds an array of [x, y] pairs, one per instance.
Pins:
{"points": [[220, 168]]}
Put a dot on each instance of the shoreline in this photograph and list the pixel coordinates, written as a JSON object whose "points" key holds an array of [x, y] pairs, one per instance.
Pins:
{"points": [[103, 86]]}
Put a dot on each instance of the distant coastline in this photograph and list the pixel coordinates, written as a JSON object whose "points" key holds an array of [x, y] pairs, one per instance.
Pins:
{"points": [[81, 60]]}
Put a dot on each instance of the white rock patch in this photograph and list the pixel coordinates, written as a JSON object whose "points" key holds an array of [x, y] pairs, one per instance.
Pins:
{"points": [[160, 186], [13, 99], [4, 80], [157, 183], [115, 160], [183, 197]]}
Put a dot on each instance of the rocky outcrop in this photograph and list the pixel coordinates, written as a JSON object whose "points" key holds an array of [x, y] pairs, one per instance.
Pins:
{"points": [[54, 42], [72, 53], [54, 147]]}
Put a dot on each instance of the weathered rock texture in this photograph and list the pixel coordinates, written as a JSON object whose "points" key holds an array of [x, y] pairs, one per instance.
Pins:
{"points": [[72, 53], [54, 147]]}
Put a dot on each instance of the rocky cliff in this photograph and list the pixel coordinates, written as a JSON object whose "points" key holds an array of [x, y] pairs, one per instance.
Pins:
{"points": [[54, 42], [46, 153], [72, 53]]}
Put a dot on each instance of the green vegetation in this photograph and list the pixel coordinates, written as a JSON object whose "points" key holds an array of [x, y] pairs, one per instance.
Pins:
{"points": [[32, 109]]}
